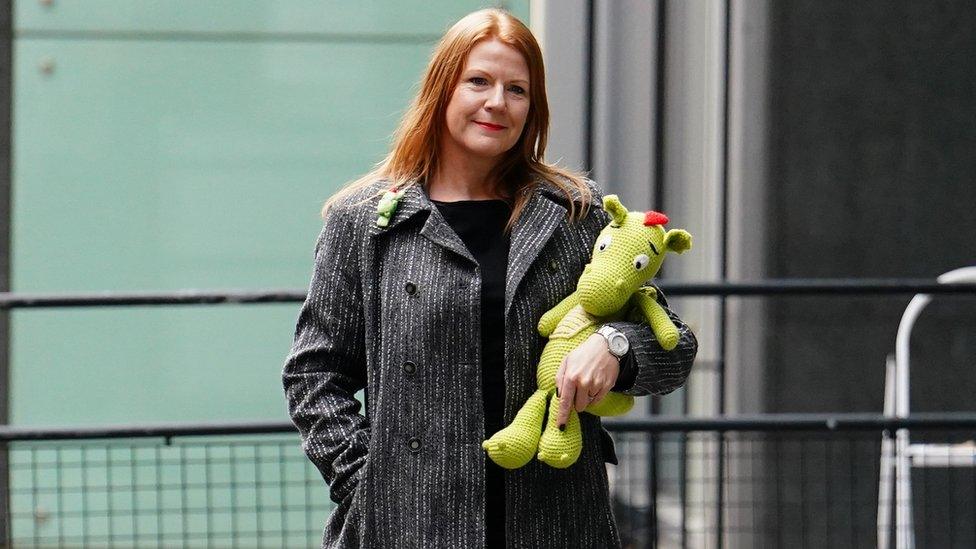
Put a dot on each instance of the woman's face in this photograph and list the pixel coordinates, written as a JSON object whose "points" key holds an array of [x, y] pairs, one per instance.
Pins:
{"points": [[487, 111]]}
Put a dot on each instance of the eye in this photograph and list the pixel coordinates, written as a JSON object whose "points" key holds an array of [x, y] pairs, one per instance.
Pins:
{"points": [[603, 243], [641, 261], [653, 248], [478, 81], [518, 89]]}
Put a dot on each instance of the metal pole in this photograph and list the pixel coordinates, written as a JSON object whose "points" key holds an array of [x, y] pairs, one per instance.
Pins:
{"points": [[720, 482], [6, 109], [723, 251], [652, 481]]}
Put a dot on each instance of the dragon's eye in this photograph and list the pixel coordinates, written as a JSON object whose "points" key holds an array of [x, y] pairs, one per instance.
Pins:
{"points": [[603, 243], [641, 261]]}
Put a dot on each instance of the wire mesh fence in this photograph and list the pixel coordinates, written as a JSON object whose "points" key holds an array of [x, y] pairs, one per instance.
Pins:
{"points": [[714, 483], [786, 488], [209, 492]]}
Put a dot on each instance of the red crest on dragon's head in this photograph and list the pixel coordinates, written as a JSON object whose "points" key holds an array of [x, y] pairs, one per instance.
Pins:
{"points": [[654, 218]]}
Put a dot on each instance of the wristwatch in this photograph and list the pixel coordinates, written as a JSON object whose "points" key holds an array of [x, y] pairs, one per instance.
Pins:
{"points": [[616, 340]]}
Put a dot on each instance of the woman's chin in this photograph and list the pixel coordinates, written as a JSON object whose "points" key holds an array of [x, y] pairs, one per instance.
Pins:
{"points": [[486, 147]]}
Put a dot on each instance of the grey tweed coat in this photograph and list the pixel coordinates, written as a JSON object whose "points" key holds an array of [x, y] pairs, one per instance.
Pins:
{"points": [[396, 311]]}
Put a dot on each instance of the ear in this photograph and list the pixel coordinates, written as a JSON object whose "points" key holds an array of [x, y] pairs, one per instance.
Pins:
{"points": [[616, 210], [677, 240]]}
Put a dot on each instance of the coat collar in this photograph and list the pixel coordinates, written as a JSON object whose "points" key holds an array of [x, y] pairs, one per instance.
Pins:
{"points": [[543, 213], [415, 202]]}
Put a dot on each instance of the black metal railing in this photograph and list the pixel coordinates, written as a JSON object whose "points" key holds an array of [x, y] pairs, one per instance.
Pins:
{"points": [[758, 481], [769, 287], [787, 480]]}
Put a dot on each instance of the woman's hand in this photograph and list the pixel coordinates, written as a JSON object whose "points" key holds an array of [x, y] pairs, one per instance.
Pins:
{"points": [[589, 369]]}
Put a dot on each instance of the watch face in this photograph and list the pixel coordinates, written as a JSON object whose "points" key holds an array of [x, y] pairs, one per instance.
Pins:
{"points": [[618, 344]]}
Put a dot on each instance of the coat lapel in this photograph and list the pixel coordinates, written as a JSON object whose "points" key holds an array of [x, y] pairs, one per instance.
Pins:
{"points": [[532, 230], [436, 229]]}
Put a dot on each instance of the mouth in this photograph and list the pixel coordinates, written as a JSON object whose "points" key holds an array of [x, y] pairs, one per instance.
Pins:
{"points": [[487, 126]]}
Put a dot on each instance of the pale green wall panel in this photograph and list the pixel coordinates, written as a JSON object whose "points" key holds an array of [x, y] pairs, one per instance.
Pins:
{"points": [[142, 166], [163, 165], [172, 165], [250, 16]]}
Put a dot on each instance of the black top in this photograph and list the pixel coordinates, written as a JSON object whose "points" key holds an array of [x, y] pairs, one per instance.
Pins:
{"points": [[481, 224]]}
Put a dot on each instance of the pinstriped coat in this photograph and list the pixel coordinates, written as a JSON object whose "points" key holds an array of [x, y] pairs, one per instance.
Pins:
{"points": [[396, 310]]}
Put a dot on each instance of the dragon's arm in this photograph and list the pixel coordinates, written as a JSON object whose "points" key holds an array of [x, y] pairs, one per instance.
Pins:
{"points": [[645, 300], [552, 317]]}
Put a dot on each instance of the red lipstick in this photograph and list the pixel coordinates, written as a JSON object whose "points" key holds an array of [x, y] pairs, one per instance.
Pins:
{"points": [[488, 126]]}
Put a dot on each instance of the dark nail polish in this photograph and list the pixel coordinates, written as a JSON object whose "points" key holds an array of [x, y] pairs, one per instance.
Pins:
{"points": [[562, 427]]}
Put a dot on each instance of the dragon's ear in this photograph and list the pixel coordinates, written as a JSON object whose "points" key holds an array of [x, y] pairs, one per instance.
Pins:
{"points": [[616, 210], [677, 240]]}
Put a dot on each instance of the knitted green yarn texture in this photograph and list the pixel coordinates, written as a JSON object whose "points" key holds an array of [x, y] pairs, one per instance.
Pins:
{"points": [[627, 253]]}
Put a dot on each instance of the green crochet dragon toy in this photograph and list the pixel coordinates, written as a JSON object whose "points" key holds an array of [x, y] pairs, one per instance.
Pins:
{"points": [[628, 252]]}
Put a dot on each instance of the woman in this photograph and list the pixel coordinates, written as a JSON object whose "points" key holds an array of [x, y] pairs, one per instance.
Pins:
{"points": [[433, 310]]}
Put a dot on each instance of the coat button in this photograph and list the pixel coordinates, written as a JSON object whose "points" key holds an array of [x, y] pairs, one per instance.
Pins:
{"points": [[410, 287], [409, 367], [553, 265], [414, 445]]}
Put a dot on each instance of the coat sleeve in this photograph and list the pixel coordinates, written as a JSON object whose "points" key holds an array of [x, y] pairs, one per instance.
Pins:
{"points": [[327, 363], [648, 368]]}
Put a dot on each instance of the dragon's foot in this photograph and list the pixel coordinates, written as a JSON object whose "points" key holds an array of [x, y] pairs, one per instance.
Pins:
{"points": [[560, 449], [514, 446]]}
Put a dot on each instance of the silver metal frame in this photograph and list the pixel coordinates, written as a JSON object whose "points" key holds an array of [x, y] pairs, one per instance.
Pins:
{"points": [[898, 456]]}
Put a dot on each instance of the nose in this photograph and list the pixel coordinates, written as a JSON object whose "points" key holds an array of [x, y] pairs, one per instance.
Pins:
{"points": [[620, 284], [496, 98]]}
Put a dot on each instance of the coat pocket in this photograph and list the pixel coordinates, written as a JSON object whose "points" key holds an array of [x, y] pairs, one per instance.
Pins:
{"points": [[609, 452], [352, 529], [343, 526]]}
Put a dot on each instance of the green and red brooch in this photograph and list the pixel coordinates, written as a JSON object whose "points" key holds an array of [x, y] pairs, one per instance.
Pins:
{"points": [[387, 205]]}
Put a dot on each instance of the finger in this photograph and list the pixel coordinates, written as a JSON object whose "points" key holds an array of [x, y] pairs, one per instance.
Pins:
{"points": [[582, 397], [568, 393], [559, 375], [599, 396]]}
